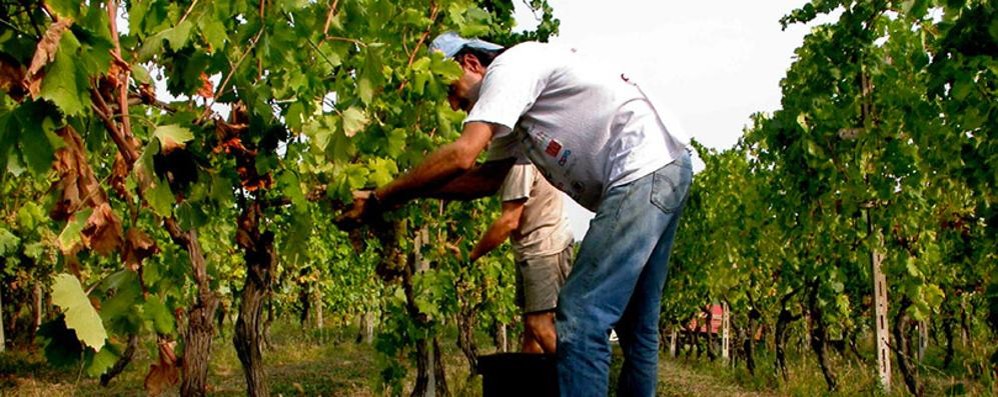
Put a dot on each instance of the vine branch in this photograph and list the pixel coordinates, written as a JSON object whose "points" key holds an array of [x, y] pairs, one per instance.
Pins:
{"points": [[188, 12], [434, 11], [329, 18], [228, 76], [126, 123]]}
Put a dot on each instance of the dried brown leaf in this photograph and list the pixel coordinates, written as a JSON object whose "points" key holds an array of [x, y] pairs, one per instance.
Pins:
{"points": [[138, 247], [77, 186], [102, 232], [207, 90], [44, 54], [229, 139], [164, 374], [119, 173]]}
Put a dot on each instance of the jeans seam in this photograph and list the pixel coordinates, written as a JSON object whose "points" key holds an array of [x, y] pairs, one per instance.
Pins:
{"points": [[613, 226]]}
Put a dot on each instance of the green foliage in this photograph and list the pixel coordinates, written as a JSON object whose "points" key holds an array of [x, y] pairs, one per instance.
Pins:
{"points": [[880, 147], [8, 241]]}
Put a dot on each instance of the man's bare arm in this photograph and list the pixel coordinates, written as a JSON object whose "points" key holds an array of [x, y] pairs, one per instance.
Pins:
{"points": [[482, 181], [440, 167], [500, 229]]}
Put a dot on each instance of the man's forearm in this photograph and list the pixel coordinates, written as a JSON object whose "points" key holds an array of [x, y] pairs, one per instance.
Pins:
{"points": [[500, 229], [437, 169], [441, 166], [492, 238], [482, 181]]}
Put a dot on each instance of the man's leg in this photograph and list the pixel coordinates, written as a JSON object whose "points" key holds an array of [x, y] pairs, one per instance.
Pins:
{"points": [[622, 239], [530, 342], [539, 327], [540, 280], [638, 328]]}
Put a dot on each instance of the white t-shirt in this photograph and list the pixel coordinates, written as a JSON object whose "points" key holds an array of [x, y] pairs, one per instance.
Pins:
{"points": [[586, 128], [543, 227]]}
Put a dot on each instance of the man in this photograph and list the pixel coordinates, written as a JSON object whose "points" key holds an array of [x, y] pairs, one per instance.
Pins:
{"points": [[596, 136], [542, 245]]}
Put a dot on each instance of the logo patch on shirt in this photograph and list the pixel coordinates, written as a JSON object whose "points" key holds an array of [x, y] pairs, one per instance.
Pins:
{"points": [[564, 158], [553, 148]]}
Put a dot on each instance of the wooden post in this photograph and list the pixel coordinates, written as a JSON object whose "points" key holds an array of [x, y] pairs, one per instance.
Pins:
{"points": [[725, 332], [672, 342], [431, 384], [422, 238], [963, 316], [879, 305], [503, 340], [38, 314], [923, 339], [368, 327], [319, 320], [882, 334]]}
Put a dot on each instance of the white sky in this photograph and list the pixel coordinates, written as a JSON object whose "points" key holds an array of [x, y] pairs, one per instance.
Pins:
{"points": [[709, 63]]}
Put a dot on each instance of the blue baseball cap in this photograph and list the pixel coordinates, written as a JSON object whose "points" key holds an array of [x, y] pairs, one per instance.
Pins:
{"points": [[450, 43]]}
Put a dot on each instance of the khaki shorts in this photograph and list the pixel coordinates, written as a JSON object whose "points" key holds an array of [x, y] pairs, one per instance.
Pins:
{"points": [[539, 279]]}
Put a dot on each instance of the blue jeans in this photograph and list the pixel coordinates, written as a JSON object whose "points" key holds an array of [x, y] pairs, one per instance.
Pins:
{"points": [[617, 281]]}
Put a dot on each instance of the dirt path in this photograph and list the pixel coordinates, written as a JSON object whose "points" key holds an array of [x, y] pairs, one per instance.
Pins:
{"points": [[677, 380]]}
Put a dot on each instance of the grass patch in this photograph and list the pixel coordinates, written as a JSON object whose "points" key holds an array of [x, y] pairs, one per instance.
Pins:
{"points": [[309, 362], [854, 376]]}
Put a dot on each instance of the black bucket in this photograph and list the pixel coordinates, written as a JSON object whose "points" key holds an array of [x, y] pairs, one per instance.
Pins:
{"points": [[519, 375]]}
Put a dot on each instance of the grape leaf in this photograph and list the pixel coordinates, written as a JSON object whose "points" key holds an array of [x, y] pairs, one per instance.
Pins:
{"points": [[172, 137], [190, 215], [66, 8], [364, 90], [102, 361], [8, 241], [213, 32], [67, 293], [141, 74], [103, 231], [71, 236], [38, 142], [178, 35], [291, 186], [119, 308], [44, 54], [396, 142], [354, 120], [340, 147], [155, 311], [160, 198], [63, 84], [382, 171], [163, 374]]}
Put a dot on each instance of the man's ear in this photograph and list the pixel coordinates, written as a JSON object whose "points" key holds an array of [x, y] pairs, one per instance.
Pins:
{"points": [[471, 63]]}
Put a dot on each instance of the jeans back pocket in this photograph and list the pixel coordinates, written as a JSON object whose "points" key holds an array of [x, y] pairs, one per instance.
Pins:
{"points": [[670, 185]]}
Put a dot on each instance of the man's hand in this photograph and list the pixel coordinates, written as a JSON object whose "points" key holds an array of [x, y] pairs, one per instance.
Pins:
{"points": [[365, 207]]}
